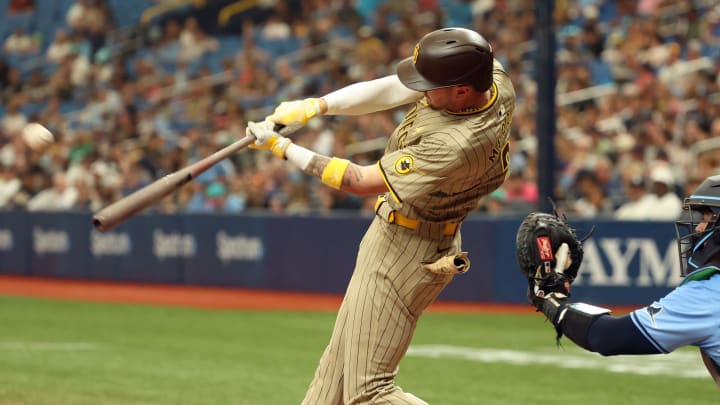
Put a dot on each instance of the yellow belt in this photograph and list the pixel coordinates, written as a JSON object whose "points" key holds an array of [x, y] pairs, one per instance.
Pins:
{"points": [[397, 218]]}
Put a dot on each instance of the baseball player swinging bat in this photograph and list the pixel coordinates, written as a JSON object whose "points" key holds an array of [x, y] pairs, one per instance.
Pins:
{"points": [[125, 208]]}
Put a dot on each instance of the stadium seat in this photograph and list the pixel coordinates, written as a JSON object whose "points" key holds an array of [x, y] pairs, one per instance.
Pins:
{"points": [[128, 12], [30, 109], [600, 72]]}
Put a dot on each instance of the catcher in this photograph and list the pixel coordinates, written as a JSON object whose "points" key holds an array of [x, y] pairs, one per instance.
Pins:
{"points": [[549, 254]]}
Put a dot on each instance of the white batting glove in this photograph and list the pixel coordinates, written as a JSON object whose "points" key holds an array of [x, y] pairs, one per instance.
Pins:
{"points": [[262, 131], [267, 139]]}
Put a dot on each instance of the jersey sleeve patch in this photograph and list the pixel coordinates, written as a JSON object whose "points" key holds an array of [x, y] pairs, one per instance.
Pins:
{"points": [[404, 164]]}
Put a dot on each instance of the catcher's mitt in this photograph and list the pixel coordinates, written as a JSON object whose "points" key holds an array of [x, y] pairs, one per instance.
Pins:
{"points": [[541, 241]]}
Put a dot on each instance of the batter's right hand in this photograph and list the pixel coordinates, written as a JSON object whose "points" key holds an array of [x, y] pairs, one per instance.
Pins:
{"points": [[295, 114], [267, 139]]}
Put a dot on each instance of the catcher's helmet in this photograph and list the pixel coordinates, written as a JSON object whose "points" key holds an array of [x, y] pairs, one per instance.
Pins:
{"points": [[697, 249], [448, 57]]}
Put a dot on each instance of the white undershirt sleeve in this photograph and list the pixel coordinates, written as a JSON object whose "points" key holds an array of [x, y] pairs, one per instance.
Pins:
{"points": [[299, 156], [370, 96]]}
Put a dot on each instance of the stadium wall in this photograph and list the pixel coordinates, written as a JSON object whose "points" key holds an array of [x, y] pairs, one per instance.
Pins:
{"points": [[626, 263]]}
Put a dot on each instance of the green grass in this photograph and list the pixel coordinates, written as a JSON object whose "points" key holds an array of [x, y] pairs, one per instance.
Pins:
{"points": [[62, 353]]}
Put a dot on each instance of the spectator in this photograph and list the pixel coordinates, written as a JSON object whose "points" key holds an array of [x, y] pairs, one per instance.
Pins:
{"points": [[4, 73], [60, 47], [80, 173], [61, 196], [36, 89], [14, 120], [197, 202], [14, 87], [194, 42], [80, 15], [592, 201], [668, 205], [10, 185], [235, 201], [61, 84], [215, 196], [640, 203], [80, 70], [21, 6], [275, 29], [20, 43], [298, 198], [494, 203], [87, 198], [519, 191]]}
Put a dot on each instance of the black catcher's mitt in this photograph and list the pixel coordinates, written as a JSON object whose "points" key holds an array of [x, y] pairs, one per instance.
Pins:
{"points": [[538, 248]]}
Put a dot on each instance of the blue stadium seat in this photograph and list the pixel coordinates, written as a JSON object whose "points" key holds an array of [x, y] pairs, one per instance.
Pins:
{"points": [[600, 72], [32, 108], [49, 18], [24, 21], [128, 12], [70, 106], [213, 61], [457, 13], [229, 45], [63, 7]]}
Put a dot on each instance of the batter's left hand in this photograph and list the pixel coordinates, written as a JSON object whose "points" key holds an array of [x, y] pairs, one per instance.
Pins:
{"points": [[267, 139], [295, 114]]}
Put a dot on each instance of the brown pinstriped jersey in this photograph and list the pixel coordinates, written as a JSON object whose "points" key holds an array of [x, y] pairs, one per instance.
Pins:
{"points": [[438, 165]]}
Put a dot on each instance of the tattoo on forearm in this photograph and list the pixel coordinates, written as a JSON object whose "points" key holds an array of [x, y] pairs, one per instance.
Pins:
{"points": [[318, 163], [316, 166], [352, 175]]}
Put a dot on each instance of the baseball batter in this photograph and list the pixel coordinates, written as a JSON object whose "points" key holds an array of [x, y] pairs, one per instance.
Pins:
{"points": [[450, 150]]}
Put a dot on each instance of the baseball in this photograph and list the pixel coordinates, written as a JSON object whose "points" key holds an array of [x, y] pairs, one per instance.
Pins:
{"points": [[37, 137]]}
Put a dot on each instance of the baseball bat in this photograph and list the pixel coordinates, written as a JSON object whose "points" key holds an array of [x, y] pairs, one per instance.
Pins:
{"points": [[121, 210]]}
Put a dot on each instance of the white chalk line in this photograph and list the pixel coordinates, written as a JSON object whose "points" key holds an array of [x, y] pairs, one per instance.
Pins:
{"points": [[47, 346], [686, 364]]}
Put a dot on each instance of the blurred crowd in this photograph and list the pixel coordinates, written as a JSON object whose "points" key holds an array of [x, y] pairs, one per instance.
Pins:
{"points": [[638, 103]]}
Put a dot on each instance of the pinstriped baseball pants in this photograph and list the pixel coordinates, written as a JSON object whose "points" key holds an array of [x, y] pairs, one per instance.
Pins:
{"points": [[387, 293]]}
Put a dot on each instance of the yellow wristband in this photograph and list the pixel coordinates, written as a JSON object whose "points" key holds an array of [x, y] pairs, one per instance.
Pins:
{"points": [[279, 147], [334, 172]]}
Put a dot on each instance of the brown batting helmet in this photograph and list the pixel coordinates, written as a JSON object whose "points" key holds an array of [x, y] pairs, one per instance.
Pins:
{"points": [[448, 57]]}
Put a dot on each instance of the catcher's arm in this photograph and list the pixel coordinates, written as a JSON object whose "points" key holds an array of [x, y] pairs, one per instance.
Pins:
{"points": [[589, 326], [549, 254], [549, 294], [712, 367]]}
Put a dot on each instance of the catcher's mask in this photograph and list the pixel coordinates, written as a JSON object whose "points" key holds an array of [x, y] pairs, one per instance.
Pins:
{"points": [[448, 57], [696, 247]]}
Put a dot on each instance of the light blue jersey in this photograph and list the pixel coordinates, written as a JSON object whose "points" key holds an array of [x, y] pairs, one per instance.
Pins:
{"points": [[688, 315]]}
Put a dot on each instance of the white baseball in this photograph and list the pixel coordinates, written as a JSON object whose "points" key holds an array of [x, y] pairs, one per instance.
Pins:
{"points": [[37, 137]]}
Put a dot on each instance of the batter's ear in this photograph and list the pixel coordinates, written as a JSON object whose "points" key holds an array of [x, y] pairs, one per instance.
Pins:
{"points": [[463, 92]]}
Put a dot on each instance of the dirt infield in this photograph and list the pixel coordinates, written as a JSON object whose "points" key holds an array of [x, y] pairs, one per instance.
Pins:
{"points": [[202, 297]]}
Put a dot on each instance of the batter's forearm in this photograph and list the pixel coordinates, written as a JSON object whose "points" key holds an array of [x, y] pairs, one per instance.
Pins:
{"points": [[338, 173], [351, 178], [317, 164]]}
